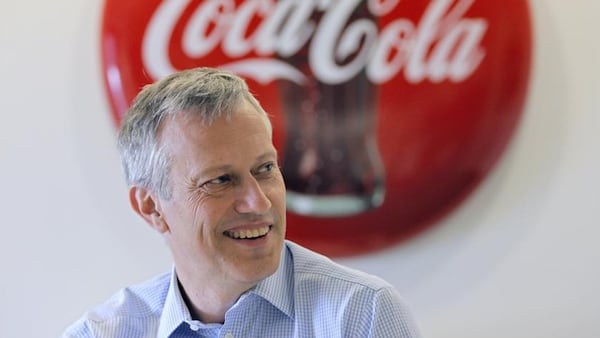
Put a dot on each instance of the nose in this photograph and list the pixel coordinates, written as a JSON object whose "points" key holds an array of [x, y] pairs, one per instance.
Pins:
{"points": [[251, 198]]}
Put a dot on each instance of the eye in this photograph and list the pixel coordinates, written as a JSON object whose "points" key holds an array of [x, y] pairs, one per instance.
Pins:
{"points": [[265, 169], [216, 184], [220, 180]]}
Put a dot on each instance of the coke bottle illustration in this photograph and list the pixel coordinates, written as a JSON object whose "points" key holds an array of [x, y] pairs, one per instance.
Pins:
{"points": [[331, 164]]}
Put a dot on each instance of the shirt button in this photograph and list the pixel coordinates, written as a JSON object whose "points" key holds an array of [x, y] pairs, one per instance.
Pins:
{"points": [[229, 335]]}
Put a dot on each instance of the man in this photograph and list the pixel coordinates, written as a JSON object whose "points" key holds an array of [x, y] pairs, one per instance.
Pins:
{"points": [[198, 156]]}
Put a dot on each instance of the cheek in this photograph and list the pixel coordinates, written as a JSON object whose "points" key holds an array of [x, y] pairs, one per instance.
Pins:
{"points": [[185, 221], [209, 214], [278, 195]]}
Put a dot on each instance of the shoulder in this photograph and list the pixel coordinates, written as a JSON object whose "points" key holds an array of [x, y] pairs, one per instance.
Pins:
{"points": [[347, 300], [309, 265], [133, 304]]}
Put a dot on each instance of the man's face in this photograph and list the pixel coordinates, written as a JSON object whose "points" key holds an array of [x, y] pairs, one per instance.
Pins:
{"points": [[226, 216]]}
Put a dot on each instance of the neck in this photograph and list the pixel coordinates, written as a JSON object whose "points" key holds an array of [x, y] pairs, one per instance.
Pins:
{"points": [[209, 304]]}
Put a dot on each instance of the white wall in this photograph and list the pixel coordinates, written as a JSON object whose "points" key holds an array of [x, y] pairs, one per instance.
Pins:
{"points": [[518, 259]]}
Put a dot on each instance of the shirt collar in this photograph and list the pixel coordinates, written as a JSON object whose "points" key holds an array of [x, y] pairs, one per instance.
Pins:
{"points": [[277, 289], [175, 311]]}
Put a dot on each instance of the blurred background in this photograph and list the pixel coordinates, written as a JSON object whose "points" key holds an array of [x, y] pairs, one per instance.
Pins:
{"points": [[519, 258]]}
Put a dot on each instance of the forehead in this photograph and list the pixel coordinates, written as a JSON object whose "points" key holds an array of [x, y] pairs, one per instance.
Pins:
{"points": [[208, 118], [239, 134]]}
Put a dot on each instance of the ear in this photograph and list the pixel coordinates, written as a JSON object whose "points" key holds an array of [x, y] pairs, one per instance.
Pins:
{"points": [[145, 204]]}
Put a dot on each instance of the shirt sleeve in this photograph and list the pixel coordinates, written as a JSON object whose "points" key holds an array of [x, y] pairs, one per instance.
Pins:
{"points": [[391, 316], [79, 329]]}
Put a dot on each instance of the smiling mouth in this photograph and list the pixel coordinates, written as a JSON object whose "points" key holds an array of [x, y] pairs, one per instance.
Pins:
{"points": [[249, 233]]}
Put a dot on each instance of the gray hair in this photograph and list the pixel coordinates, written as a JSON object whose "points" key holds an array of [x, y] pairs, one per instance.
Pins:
{"points": [[204, 92]]}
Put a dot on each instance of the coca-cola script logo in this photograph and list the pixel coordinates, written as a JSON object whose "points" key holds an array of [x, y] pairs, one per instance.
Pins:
{"points": [[387, 113]]}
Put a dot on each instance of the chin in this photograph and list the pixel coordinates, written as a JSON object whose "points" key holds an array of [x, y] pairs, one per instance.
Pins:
{"points": [[259, 269]]}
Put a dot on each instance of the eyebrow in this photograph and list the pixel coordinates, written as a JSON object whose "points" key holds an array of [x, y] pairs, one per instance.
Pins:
{"points": [[207, 172], [268, 154]]}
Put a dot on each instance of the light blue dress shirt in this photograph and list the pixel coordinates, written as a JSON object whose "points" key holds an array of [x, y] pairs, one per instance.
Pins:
{"points": [[308, 296]]}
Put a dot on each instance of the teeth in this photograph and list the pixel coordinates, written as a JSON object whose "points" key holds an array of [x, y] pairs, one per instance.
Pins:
{"points": [[248, 233]]}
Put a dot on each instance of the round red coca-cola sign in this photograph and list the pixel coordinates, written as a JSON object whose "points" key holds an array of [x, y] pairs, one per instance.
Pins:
{"points": [[386, 113]]}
